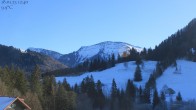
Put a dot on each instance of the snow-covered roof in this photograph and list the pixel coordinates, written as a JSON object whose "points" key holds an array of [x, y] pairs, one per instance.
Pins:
{"points": [[5, 101]]}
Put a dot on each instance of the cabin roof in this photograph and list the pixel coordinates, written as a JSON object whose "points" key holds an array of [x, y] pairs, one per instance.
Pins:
{"points": [[6, 101]]}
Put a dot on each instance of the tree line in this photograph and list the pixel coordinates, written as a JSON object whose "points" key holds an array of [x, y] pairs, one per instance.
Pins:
{"points": [[91, 96], [39, 93]]}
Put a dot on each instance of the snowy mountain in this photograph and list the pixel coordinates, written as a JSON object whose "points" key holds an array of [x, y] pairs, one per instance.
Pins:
{"points": [[182, 80], [50, 53], [103, 50]]}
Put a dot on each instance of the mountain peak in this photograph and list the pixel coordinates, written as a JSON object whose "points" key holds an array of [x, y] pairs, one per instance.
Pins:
{"points": [[53, 54], [103, 50], [111, 43]]}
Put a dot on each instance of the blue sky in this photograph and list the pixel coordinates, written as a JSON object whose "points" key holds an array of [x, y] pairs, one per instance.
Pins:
{"points": [[66, 25]]}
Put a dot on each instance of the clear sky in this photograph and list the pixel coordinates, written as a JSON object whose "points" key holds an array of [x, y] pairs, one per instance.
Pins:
{"points": [[66, 25]]}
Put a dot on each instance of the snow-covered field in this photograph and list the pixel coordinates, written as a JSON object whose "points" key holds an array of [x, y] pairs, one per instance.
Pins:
{"points": [[184, 80], [120, 73]]}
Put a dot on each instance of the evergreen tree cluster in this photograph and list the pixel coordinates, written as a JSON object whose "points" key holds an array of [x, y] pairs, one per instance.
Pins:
{"points": [[97, 64], [133, 55], [92, 90], [179, 45], [39, 93]]}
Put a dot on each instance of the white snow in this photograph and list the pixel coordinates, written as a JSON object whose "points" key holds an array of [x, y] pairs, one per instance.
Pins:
{"points": [[105, 49], [120, 73], [183, 82], [23, 51], [5, 101], [50, 53]]}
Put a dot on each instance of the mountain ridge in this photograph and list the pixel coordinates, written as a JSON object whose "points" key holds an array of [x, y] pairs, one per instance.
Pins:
{"points": [[51, 53], [102, 50], [27, 60]]}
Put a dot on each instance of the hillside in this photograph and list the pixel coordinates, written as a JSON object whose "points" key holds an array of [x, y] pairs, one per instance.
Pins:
{"points": [[183, 82], [120, 73], [179, 45], [27, 60]]}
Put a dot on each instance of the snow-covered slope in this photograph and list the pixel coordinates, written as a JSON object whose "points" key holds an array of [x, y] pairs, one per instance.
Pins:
{"points": [[50, 53], [183, 80], [120, 73], [102, 50]]}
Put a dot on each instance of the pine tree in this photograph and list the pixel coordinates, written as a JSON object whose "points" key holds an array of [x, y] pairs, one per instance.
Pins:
{"points": [[159, 70], [113, 60], [114, 95], [36, 86], [141, 94], [76, 89], [138, 60], [21, 83], [33, 101], [130, 89], [7, 77], [130, 94], [122, 100], [100, 98], [91, 87], [114, 89], [146, 96], [71, 100], [61, 99], [179, 97], [144, 53], [151, 83], [162, 96], [49, 91], [156, 99], [83, 86], [66, 85], [138, 75], [133, 54], [119, 59]]}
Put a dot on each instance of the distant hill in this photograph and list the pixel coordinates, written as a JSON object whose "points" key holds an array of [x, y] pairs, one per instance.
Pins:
{"points": [[27, 60]]}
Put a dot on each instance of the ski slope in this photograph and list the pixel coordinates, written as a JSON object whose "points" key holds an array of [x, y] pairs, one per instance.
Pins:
{"points": [[120, 73], [183, 81]]}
